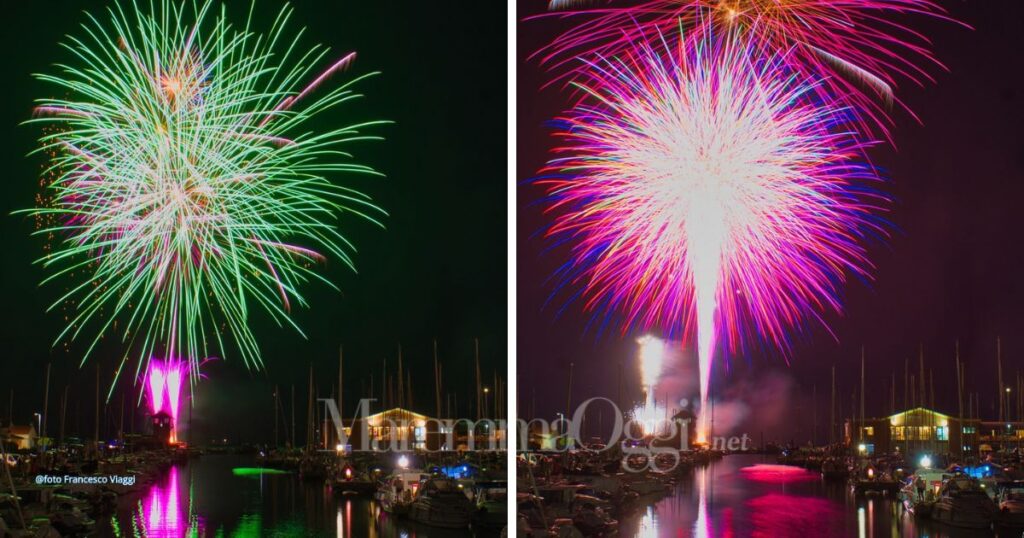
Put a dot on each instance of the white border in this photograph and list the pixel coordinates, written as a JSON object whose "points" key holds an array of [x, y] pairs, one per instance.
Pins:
{"points": [[511, 413]]}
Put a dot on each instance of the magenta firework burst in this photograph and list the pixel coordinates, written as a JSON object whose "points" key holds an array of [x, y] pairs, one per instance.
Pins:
{"points": [[860, 49], [707, 190]]}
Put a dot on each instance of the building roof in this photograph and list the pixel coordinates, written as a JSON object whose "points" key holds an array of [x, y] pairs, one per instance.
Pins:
{"points": [[920, 410], [914, 411], [396, 413], [20, 430]]}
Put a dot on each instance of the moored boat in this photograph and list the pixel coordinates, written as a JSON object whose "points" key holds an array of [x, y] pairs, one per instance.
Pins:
{"points": [[440, 502], [963, 503], [921, 491], [1011, 505], [395, 493], [348, 481], [834, 469], [491, 504]]}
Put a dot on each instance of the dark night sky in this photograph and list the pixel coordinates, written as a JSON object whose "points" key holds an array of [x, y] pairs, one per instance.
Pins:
{"points": [[437, 271], [951, 270]]}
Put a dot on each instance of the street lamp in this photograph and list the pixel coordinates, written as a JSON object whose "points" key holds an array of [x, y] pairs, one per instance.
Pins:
{"points": [[487, 405], [1008, 408]]}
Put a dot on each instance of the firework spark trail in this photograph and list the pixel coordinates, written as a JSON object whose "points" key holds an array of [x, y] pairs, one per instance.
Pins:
{"points": [[652, 361], [860, 49], [163, 389], [191, 188], [708, 190]]}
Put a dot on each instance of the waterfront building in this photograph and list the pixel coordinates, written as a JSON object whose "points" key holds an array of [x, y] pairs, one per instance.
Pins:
{"points": [[914, 432], [19, 437], [995, 436]]}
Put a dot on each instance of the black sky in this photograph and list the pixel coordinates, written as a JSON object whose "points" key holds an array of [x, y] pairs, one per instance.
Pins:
{"points": [[952, 269], [438, 270]]}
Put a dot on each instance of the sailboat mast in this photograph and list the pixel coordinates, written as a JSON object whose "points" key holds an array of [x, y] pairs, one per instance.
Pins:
{"points": [[341, 360], [46, 404], [862, 392], [437, 383], [832, 410], [476, 354], [999, 367]]}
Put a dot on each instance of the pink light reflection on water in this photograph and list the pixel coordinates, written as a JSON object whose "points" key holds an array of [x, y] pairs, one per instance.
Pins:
{"points": [[778, 474], [161, 511], [777, 515]]}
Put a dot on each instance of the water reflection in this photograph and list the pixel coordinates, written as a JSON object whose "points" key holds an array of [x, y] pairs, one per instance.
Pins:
{"points": [[752, 496], [206, 499], [779, 514], [702, 527], [648, 525], [160, 513]]}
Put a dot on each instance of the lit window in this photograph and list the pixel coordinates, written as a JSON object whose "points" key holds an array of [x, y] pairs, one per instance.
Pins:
{"points": [[942, 433]]}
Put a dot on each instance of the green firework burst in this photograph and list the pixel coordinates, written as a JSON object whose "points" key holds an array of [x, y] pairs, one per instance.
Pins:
{"points": [[189, 186]]}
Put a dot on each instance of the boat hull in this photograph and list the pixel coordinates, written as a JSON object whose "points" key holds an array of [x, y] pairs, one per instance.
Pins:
{"points": [[441, 513], [964, 516]]}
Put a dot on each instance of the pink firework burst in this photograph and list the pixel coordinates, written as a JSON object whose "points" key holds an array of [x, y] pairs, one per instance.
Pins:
{"points": [[861, 49], [165, 380], [705, 189]]}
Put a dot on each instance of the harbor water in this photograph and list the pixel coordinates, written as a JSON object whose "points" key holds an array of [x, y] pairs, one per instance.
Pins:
{"points": [[751, 496], [210, 497]]}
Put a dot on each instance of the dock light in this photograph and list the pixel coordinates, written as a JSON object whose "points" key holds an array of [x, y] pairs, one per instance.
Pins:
{"points": [[403, 462], [862, 447], [339, 448], [926, 461]]}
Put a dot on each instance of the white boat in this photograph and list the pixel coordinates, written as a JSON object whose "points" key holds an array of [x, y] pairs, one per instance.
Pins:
{"points": [[1011, 505], [922, 491], [963, 503], [440, 502], [491, 504], [396, 492]]}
